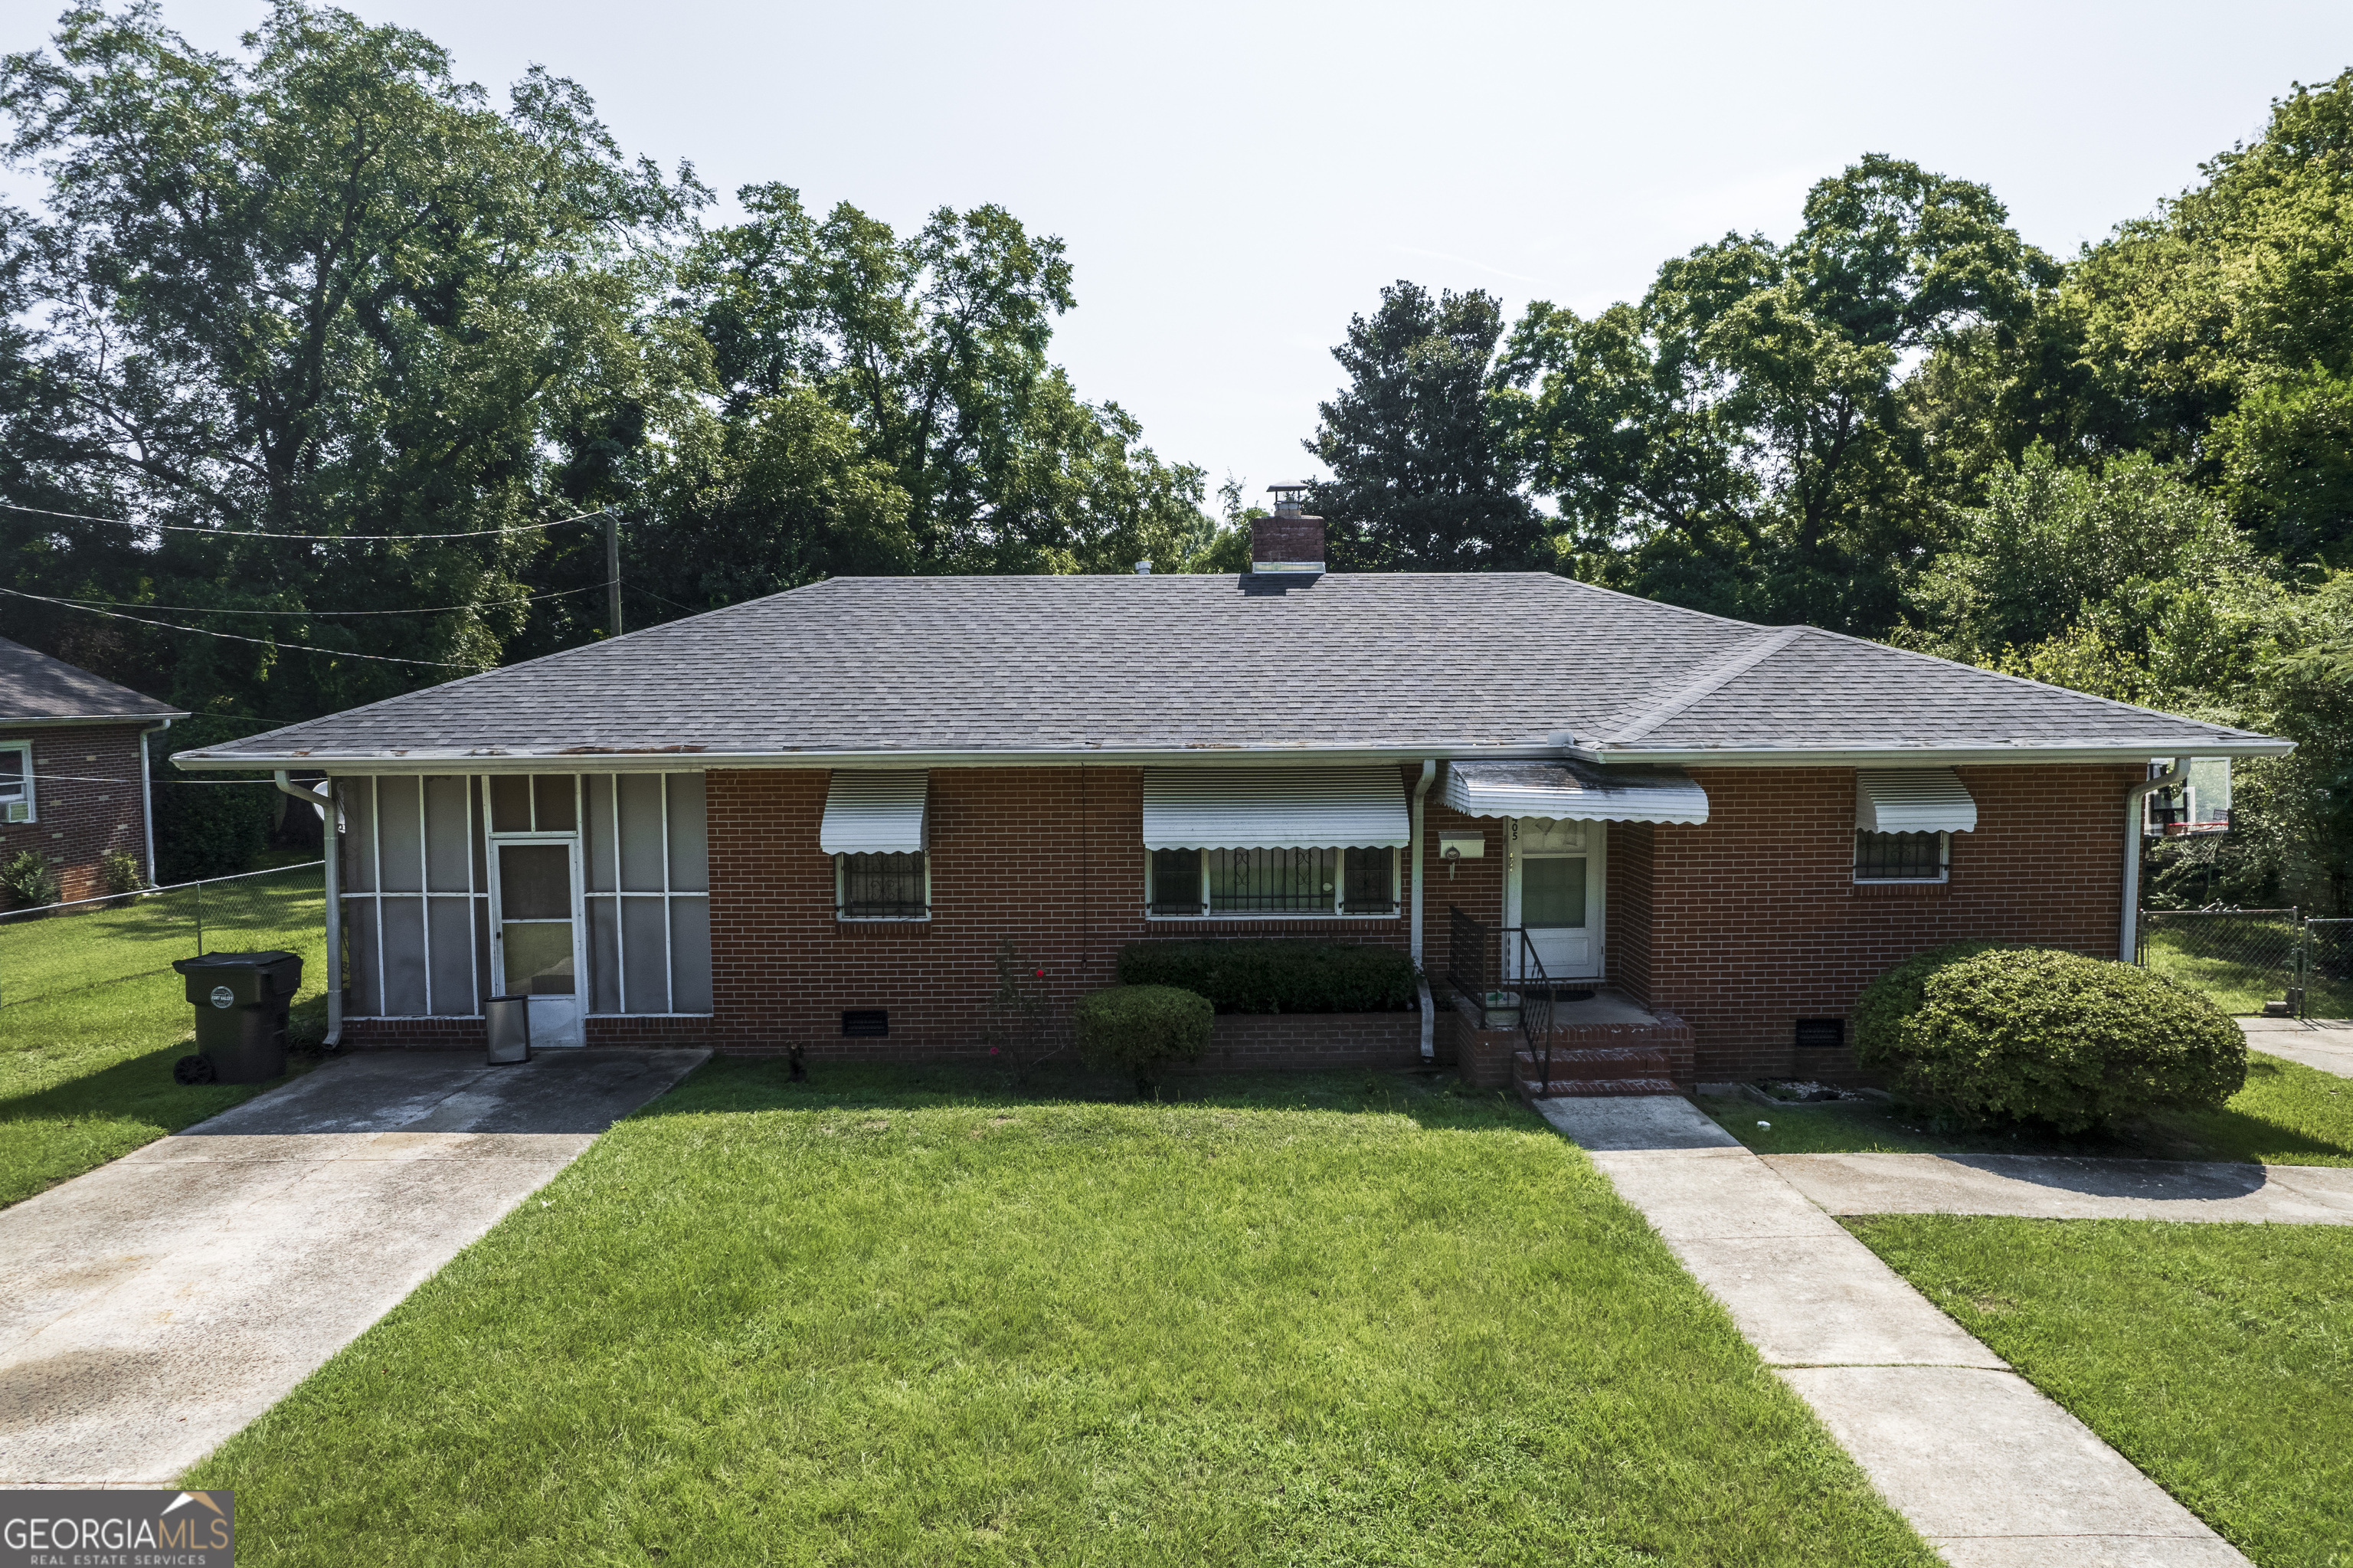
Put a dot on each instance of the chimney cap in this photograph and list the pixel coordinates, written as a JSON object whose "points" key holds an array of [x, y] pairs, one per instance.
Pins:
{"points": [[1290, 500], [1143, 568]]}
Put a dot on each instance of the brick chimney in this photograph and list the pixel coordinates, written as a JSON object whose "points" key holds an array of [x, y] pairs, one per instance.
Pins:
{"points": [[1289, 541]]}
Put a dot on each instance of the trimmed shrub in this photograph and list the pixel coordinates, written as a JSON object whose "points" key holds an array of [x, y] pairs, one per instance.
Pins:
{"points": [[1272, 975], [30, 879], [119, 873], [1994, 1032], [1137, 1027]]}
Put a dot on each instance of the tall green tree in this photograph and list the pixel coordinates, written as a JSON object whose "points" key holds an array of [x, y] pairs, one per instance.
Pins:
{"points": [[1420, 480], [932, 347], [322, 290], [1736, 439]]}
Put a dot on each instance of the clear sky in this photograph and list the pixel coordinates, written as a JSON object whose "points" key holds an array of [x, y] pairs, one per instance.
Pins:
{"points": [[1234, 179]]}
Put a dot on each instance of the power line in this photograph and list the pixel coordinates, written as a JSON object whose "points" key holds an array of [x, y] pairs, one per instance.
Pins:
{"points": [[233, 637], [207, 610], [87, 778], [312, 538]]}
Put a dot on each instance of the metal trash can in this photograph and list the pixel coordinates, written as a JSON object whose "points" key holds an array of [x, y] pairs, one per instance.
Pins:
{"points": [[509, 1018], [241, 1000]]}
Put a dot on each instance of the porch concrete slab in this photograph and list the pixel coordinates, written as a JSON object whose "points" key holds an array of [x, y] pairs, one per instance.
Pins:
{"points": [[1602, 1007], [1633, 1121], [2052, 1188], [151, 1308], [1846, 1307], [1996, 1476], [456, 1091]]}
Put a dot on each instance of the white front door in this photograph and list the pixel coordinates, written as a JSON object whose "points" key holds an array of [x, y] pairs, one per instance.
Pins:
{"points": [[535, 933], [1552, 889]]}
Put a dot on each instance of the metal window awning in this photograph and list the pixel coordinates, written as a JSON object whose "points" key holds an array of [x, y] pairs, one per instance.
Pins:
{"points": [[876, 814], [1274, 808], [1913, 801], [1574, 791]]}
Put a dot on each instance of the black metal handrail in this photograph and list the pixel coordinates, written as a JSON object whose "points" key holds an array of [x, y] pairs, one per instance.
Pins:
{"points": [[1467, 951], [1536, 1008]]}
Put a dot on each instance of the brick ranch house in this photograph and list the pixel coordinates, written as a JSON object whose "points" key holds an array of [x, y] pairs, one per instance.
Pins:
{"points": [[812, 819], [73, 768]]}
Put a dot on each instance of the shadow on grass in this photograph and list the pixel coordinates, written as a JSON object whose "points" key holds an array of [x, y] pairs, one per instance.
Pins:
{"points": [[737, 1084]]}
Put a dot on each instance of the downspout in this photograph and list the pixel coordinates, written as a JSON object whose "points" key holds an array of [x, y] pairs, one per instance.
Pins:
{"points": [[147, 795], [1421, 980], [325, 800], [2128, 932]]}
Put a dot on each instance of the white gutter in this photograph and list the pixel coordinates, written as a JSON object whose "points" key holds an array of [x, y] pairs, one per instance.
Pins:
{"points": [[1421, 980], [685, 760], [2128, 931], [1852, 755], [81, 721], [325, 800], [146, 796]]}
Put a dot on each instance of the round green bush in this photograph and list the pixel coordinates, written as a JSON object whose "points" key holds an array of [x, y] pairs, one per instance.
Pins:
{"points": [[1137, 1027], [1996, 1032]]}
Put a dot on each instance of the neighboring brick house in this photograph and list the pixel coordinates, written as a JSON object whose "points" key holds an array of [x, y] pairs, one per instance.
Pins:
{"points": [[814, 819], [73, 768]]}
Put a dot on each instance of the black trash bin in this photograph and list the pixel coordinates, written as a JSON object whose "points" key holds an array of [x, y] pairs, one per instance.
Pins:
{"points": [[241, 1000]]}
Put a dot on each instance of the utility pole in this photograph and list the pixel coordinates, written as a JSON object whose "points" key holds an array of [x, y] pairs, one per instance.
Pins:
{"points": [[613, 569]]}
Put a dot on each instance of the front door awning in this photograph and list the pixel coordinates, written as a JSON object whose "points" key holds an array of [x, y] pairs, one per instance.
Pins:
{"points": [[875, 813], [1574, 791], [1914, 800], [1274, 808]]}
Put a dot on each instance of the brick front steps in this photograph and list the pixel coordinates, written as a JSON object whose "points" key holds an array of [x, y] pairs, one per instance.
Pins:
{"points": [[1647, 1054], [1644, 1069]]}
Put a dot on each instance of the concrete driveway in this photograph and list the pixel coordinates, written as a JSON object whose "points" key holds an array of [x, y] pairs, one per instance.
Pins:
{"points": [[153, 1307]]}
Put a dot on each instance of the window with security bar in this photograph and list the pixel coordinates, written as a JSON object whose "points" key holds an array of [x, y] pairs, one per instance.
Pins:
{"points": [[1902, 857], [882, 886], [16, 783], [1186, 884]]}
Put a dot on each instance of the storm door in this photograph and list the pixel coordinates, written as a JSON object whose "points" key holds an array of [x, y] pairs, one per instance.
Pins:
{"points": [[536, 923], [1553, 891]]}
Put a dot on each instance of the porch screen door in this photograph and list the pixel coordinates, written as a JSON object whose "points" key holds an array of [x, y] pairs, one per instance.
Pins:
{"points": [[535, 946], [1552, 889]]}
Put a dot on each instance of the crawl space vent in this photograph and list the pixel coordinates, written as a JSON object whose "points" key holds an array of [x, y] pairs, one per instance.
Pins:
{"points": [[1821, 1034], [865, 1024]]}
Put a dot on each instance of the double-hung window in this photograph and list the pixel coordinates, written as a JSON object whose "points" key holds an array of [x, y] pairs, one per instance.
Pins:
{"points": [[877, 829], [1904, 822], [1273, 842], [16, 783]]}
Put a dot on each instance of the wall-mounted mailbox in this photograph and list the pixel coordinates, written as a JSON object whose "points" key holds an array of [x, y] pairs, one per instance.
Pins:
{"points": [[1463, 846]]}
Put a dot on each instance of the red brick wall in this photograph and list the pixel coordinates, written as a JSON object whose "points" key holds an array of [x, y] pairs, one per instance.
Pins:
{"points": [[86, 799], [1632, 897], [1050, 858], [1757, 921]]}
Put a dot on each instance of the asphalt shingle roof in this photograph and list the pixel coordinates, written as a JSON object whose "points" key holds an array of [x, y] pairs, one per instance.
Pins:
{"points": [[36, 686], [1368, 661]]}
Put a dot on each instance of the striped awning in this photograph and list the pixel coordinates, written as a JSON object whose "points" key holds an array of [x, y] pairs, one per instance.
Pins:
{"points": [[1574, 791], [1914, 800], [1274, 808], [875, 813]]}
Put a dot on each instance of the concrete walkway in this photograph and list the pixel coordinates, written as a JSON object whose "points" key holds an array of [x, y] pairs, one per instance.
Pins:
{"points": [[153, 1307], [2325, 1043], [2064, 1189], [1992, 1472]]}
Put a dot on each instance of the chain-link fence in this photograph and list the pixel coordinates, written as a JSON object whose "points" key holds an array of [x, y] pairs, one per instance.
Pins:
{"points": [[2327, 986], [2243, 959], [62, 947]]}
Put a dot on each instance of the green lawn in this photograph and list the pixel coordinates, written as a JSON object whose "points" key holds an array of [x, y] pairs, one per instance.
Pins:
{"points": [[2286, 1115], [2217, 1358], [86, 1054], [906, 1317]]}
